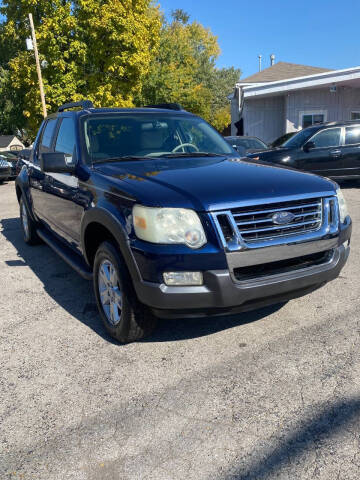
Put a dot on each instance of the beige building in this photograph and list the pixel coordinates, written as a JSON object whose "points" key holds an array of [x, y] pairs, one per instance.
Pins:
{"points": [[287, 97], [10, 142]]}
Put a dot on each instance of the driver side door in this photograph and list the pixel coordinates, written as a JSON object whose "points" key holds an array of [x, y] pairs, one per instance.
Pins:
{"points": [[325, 158]]}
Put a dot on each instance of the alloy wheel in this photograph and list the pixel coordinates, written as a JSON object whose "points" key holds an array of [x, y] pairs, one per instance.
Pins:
{"points": [[110, 292]]}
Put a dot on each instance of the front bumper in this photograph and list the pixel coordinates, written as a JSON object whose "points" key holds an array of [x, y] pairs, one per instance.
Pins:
{"points": [[222, 293]]}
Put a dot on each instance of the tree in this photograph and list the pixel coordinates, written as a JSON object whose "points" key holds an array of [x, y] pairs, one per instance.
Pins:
{"points": [[93, 49], [221, 82], [184, 71]]}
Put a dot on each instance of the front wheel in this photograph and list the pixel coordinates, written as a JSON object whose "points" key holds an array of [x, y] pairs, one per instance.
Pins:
{"points": [[124, 317]]}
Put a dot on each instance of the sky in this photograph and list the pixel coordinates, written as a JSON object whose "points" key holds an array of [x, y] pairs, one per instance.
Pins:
{"points": [[320, 33]]}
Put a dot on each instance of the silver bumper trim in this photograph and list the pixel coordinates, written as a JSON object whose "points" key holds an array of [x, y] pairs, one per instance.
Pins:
{"points": [[248, 258]]}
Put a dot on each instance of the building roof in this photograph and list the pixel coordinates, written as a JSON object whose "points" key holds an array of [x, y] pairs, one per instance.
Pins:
{"points": [[283, 71], [5, 140], [348, 77]]}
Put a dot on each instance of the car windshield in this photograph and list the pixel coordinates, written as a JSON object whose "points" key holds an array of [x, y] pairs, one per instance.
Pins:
{"points": [[300, 138], [9, 155], [144, 135]]}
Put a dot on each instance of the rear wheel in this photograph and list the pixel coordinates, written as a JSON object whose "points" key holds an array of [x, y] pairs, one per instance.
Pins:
{"points": [[124, 317], [28, 225]]}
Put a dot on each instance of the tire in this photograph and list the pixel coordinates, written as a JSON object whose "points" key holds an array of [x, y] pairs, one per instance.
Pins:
{"points": [[28, 225], [125, 318]]}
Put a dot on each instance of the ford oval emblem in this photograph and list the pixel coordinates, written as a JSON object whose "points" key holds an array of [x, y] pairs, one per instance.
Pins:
{"points": [[282, 218]]}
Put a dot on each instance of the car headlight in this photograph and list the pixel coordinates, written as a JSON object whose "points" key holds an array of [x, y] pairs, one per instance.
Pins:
{"points": [[342, 205], [168, 225]]}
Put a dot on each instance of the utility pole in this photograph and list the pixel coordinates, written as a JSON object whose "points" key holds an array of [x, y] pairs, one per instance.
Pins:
{"points": [[38, 68]]}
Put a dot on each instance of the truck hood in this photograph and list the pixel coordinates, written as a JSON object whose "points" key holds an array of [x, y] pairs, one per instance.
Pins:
{"points": [[209, 183]]}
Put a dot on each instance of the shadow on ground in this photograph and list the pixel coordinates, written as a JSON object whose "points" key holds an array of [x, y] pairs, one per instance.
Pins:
{"points": [[75, 295], [313, 434]]}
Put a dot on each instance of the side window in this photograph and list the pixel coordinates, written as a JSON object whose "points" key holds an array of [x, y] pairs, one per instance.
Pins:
{"points": [[65, 141], [327, 138], [47, 135], [46, 138], [352, 135]]}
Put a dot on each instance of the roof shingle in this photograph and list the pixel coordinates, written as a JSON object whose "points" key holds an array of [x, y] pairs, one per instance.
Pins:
{"points": [[283, 71], [5, 140]]}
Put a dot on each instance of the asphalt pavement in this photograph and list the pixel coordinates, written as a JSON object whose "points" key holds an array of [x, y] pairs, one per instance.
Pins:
{"points": [[270, 394]]}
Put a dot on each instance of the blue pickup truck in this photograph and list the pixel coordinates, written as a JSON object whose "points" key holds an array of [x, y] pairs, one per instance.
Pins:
{"points": [[166, 219]]}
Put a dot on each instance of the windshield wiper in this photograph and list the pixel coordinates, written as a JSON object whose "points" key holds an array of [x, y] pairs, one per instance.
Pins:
{"points": [[124, 158], [193, 154]]}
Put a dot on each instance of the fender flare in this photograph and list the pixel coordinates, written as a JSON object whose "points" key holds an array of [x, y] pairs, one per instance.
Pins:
{"points": [[25, 194], [117, 229]]}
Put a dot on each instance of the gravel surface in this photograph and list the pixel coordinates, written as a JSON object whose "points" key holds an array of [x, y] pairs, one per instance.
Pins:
{"points": [[269, 394]]}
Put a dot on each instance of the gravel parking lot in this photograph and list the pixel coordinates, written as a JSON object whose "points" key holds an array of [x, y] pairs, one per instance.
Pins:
{"points": [[268, 394]]}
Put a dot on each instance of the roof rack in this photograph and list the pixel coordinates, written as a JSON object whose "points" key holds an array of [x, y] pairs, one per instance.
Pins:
{"points": [[84, 104], [167, 106]]}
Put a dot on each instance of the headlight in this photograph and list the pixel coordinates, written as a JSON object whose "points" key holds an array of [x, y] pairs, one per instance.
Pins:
{"points": [[342, 205], [168, 225]]}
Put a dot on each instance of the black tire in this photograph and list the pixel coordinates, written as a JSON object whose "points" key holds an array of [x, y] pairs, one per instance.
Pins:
{"points": [[135, 319], [29, 233]]}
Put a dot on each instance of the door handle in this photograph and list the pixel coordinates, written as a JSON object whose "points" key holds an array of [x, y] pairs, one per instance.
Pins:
{"points": [[335, 153]]}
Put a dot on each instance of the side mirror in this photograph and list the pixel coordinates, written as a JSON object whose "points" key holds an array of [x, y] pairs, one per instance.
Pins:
{"points": [[308, 146], [56, 162]]}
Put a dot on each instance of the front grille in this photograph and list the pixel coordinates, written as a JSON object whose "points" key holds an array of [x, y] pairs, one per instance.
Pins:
{"points": [[282, 266], [255, 224]]}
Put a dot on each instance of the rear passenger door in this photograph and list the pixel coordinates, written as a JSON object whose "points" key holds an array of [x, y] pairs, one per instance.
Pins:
{"points": [[326, 156], [351, 151], [37, 178], [64, 207]]}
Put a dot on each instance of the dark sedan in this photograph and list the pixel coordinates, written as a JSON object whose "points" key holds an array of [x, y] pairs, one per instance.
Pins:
{"points": [[12, 158], [5, 169], [246, 145], [328, 149]]}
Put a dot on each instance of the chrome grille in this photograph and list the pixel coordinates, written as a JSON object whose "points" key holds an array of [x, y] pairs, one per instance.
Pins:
{"points": [[256, 223]]}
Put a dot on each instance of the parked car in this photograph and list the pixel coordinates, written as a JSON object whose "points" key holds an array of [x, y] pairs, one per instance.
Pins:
{"points": [[327, 149], [5, 170], [11, 158], [281, 140], [167, 220], [246, 145], [22, 157]]}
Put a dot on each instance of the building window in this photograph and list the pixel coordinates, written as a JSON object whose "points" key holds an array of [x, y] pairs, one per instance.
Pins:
{"points": [[309, 119], [355, 115]]}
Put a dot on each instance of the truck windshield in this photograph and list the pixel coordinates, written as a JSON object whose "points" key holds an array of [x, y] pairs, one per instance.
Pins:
{"points": [[150, 135], [300, 138]]}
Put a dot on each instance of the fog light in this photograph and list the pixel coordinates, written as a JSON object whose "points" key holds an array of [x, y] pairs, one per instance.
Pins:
{"points": [[183, 278]]}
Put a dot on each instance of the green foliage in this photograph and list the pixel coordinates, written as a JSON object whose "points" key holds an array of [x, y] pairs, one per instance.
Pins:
{"points": [[113, 52], [95, 50], [11, 115], [184, 71]]}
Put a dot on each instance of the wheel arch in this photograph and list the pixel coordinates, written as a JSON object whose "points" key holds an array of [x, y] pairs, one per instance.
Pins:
{"points": [[99, 225], [22, 191]]}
